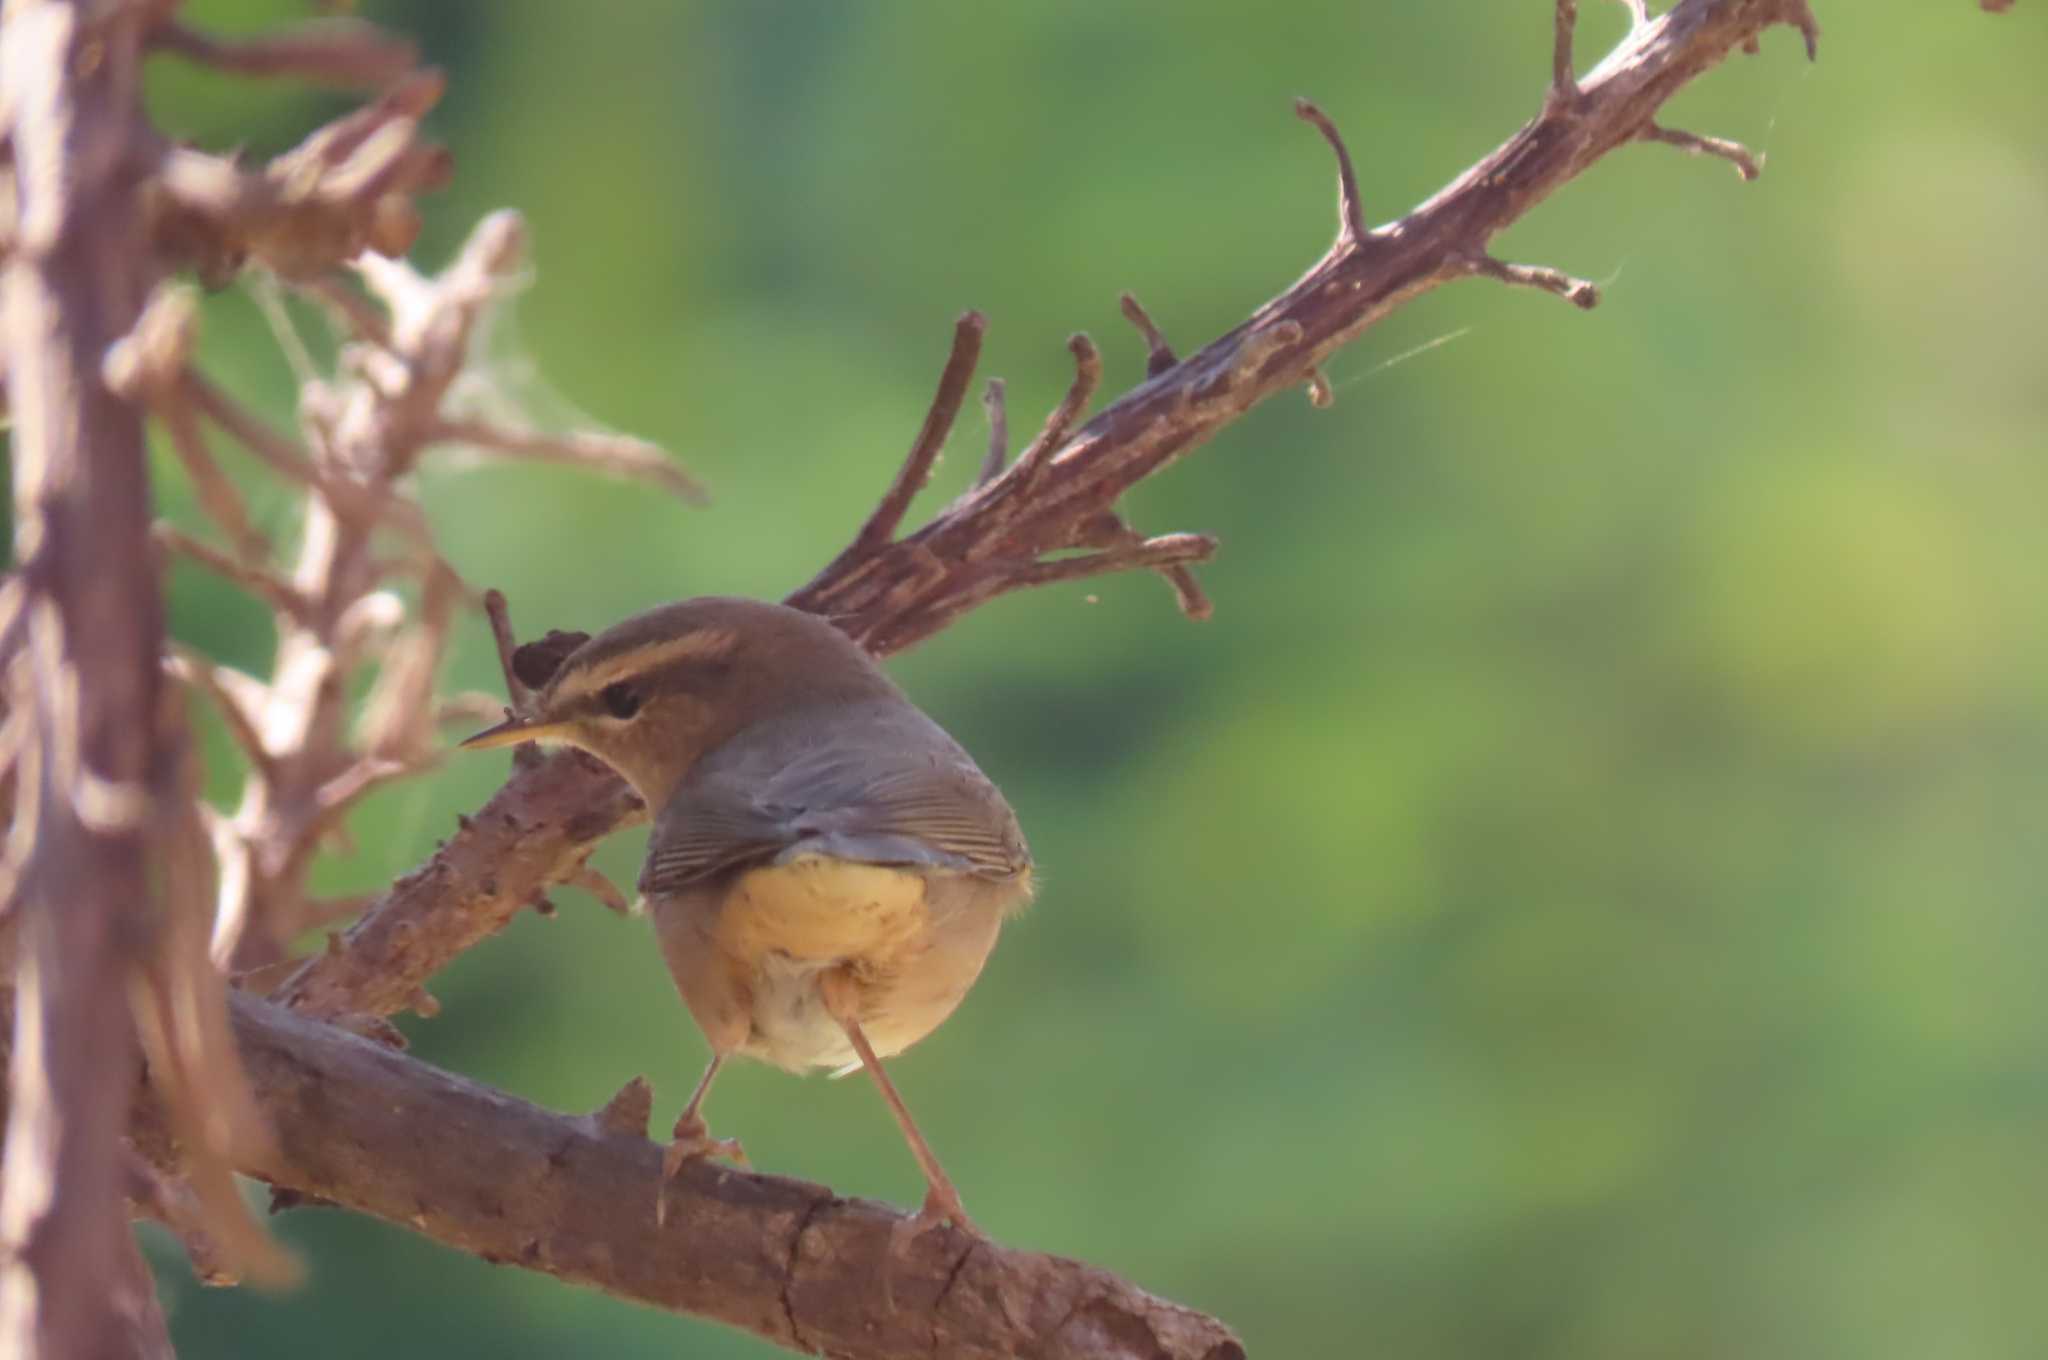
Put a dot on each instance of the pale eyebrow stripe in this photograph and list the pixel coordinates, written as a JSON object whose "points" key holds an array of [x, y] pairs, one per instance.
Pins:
{"points": [[704, 644]]}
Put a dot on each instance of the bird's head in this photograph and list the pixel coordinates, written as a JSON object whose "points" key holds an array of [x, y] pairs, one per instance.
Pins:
{"points": [[651, 695]]}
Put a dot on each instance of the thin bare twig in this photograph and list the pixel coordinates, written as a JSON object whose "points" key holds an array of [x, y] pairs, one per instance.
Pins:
{"points": [[916, 469], [148, 365], [217, 495], [1350, 210], [1564, 81], [1163, 551], [258, 579], [1579, 292], [1159, 355], [1800, 16], [471, 707], [180, 1004], [336, 51], [278, 450], [203, 675], [500, 615], [593, 881], [1692, 143], [1087, 376], [611, 455], [355, 312], [998, 433], [163, 1197], [336, 795]]}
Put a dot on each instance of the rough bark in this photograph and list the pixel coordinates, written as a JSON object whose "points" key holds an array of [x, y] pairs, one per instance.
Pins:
{"points": [[892, 593], [87, 633], [499, 1177], [573, 1196]]}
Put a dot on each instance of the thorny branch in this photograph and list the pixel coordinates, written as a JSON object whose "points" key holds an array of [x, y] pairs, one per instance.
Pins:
{"points": [[1017, 525], [81, 666], [362, 432], [785, 1260], [568, 1195], [96, 211]]}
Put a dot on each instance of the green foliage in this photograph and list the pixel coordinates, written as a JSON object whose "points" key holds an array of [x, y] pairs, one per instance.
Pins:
{"points": [[1579, 897]]}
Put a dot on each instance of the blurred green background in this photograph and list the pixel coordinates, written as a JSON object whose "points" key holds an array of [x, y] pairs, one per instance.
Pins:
{"points": [[1580, 895]]}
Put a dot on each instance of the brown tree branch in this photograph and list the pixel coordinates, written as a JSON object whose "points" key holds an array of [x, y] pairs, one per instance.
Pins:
{"points": [[573, 1196], [362, 433], [335, 51], [788, 1261], [539, 827], [345, 189], [92, 631], [609, 455], [533, 834]]}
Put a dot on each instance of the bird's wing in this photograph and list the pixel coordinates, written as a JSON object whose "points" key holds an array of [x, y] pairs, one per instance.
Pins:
{"points": [[880, 786]]}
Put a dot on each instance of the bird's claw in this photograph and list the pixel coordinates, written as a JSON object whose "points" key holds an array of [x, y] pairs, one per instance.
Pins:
{"points": [[940, 1209], [691, 1141], [691, 1145]]}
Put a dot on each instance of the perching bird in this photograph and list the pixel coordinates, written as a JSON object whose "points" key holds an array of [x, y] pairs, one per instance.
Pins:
{"points": [[828, 869]]}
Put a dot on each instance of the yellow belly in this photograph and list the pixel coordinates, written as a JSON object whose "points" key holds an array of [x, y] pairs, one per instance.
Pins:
{"points": [[823, 911], [912, 942]]}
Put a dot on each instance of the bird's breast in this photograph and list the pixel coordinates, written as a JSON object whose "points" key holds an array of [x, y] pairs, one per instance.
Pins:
{"points": [[820, 910], [912, 940]]}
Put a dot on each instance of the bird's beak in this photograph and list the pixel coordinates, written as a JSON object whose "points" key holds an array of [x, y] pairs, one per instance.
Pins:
{"points": [[512, 732]]}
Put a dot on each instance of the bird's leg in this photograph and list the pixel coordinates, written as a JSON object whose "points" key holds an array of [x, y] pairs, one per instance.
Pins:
{"points": [[692, 1139], [941, 1200]]}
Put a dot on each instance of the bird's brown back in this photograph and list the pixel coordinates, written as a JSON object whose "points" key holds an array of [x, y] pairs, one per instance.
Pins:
{"points": [[857, 837]]}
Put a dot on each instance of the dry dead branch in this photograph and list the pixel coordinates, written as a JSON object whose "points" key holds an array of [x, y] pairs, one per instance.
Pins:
{"points": [[1018, 525], [100, 789]]}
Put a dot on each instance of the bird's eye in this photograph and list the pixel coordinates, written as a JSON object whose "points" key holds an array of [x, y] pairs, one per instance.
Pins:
{"points": [[620, 700]]}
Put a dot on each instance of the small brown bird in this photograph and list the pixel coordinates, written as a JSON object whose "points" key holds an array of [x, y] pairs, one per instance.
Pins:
{"points": [[828, 869]]}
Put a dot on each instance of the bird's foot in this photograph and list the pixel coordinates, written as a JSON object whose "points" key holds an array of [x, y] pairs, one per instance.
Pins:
{"points": [[691, 1140], [941, 1207]]}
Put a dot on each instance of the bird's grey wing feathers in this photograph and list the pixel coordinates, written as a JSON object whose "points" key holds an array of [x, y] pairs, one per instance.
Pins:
{"points": [[893, 789]]}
